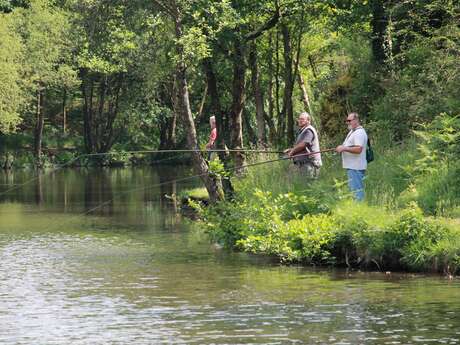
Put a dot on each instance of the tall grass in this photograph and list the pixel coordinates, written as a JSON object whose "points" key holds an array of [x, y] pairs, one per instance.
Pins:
{"points": [[282, 213], [386, 178]]}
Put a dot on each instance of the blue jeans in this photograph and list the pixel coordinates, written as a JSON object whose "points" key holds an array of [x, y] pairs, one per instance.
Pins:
{"points": [[356, 183]]}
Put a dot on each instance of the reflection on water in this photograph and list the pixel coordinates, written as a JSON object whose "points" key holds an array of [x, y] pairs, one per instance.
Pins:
{"points": [[131, 273]]}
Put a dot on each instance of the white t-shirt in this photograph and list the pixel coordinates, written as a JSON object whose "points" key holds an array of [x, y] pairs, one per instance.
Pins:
{"points": [[356, 137]]}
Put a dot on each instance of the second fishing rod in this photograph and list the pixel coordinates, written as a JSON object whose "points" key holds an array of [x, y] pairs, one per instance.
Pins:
{"points": [[183, 151]]}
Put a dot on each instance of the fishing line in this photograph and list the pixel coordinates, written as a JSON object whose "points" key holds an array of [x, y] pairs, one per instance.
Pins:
{"points": [[185, 179], [59, 167], [203, 174]]}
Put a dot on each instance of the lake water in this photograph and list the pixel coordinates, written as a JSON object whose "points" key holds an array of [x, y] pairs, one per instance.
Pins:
{"points": [[100, 256]]}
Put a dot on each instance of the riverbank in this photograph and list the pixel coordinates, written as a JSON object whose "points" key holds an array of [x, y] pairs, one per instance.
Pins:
{"points": [[409, 221]]}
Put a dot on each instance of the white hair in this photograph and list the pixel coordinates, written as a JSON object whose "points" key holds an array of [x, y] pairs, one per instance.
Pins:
{"points": [[306, 115], [355, 115]]}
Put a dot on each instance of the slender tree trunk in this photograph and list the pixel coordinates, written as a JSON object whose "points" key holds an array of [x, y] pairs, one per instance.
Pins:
{"points": [[64, 111], [172, 131], [379, 24], [103, 88], [238, 90], [279, 113], [87, 90], [172, 125], [269, 118], [40, 122], [258, 96], [305, 98], [200, 118], [199, 163], [114, 94], [215, 107], [288, 82], [311, 61], [163, 126], [248, 128], [101, 106], [216, 110]]}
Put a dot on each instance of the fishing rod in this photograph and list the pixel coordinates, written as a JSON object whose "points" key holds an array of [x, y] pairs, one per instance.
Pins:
{"points": [[71, 161], [207, 173], [187, 150], [59, 167], [62, 166], [249, 165]]}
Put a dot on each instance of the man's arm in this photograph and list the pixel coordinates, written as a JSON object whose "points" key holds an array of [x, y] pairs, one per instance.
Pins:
{"points": [[356, 149], [300, 148], [358, 142]]}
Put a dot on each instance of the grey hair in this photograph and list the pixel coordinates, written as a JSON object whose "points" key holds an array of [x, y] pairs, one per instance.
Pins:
{"points": [[212, 119], [355, 115], [305, 114]]}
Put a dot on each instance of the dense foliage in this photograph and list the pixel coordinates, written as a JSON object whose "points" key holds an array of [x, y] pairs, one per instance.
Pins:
{"points": [[309, 226], [409, 222], [90, 76]]}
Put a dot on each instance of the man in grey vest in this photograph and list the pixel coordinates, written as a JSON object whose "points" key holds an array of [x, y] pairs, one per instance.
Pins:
{"points": [[307, 141]]}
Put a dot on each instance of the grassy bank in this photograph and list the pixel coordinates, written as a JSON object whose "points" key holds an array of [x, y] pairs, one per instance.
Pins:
{"points": [[409, 220]]}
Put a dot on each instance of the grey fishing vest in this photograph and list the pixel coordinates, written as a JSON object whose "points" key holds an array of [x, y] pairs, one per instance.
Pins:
{"points": [[314, 147]]}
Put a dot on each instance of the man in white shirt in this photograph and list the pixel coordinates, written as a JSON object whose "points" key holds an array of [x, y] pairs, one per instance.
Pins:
{"points": [[353, 152]]}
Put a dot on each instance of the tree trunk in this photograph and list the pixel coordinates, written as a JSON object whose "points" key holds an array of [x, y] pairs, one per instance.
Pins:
{"points": [[99, 119], [252, 136], [171, 123], [238, 89], [87, 90], [115, 92], [199, 163], [269, 118], [40, 122], [64, 111], [379, 24], [305, 98], [200, 115], [258, 96], [216, 110], [288, 82], [279, 114], [172, 131], [311, 61]]}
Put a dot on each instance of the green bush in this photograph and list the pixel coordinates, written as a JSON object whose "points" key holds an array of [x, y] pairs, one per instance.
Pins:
{"points": [[406, 241], [307, 240], [229, 222]]}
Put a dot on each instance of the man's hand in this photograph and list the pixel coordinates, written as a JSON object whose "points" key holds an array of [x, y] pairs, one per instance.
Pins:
{"points": [[340, 149]]}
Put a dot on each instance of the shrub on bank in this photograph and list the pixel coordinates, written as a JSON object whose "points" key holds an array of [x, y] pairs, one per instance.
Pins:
{"points": [[352, 234], [308, 240], [230, 222]]}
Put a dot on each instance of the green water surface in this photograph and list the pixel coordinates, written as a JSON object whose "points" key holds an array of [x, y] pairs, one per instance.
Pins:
{"points": [[100, 256]]}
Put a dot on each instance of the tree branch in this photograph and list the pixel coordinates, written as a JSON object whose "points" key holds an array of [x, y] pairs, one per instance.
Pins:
{"points": [[164, 7], [267, 26]]}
